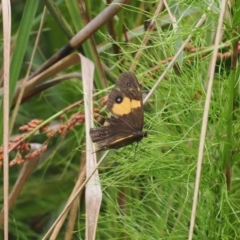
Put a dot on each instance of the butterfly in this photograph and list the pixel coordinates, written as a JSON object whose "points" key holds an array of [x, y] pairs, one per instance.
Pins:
{"points": [[127, 118]]}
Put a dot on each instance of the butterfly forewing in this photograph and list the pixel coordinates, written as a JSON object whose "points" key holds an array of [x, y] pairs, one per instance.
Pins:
{"points": [[126, 100]]}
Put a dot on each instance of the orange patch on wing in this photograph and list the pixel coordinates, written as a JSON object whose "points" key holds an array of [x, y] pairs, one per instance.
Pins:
{"points": [[125, 107]]}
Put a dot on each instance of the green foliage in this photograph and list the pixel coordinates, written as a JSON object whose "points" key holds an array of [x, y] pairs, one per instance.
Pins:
{"points": [[147, 189]]}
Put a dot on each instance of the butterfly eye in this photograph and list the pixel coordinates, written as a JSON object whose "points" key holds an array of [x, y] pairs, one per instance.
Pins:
{"points": [[118, 99]]}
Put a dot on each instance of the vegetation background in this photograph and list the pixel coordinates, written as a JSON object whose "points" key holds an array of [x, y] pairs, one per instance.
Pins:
{"points": [[148, 189]]}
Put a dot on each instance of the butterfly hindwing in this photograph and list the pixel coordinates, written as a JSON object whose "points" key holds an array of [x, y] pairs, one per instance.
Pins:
{"points": [[114, 135]]}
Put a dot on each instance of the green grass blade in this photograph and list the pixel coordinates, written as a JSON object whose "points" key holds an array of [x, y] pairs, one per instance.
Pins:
{"points": [[24, 33]]}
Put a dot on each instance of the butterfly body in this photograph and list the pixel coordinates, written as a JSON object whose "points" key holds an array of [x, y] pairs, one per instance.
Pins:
{"points": [[125, 125]]}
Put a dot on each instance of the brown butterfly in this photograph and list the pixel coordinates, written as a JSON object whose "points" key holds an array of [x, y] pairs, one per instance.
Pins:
{"points": [[125, 125]]}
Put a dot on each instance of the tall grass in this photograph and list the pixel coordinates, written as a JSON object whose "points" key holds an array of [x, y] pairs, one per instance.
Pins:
{"points": [[147, 189]]}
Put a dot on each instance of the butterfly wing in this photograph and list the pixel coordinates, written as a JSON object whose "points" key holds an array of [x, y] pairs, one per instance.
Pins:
{"points": [[125, 101], [125, 125], [115, 134]]}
